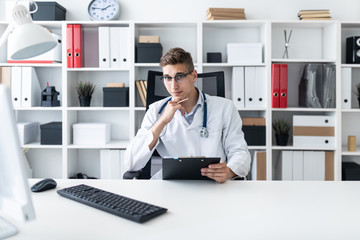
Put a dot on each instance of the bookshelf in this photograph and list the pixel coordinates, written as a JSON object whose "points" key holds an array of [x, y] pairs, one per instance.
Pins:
{"points": [[311, 42]]}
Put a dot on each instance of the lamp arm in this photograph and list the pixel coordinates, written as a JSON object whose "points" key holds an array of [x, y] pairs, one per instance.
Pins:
{"points": [[6, 34]]}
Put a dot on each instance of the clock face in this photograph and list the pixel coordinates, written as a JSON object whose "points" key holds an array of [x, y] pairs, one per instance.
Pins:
{"points": [[104, 10]]}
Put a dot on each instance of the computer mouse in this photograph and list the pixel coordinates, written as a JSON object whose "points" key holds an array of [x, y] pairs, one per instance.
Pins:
{"points": [[44, 185]]}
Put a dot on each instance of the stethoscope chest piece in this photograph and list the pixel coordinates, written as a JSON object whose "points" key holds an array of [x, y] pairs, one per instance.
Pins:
{"points": [[204, 132]]}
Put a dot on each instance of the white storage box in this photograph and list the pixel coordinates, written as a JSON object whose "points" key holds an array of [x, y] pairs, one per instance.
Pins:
{"points": [[91, 133], [313, 131], [240, 53], [28, 132]]}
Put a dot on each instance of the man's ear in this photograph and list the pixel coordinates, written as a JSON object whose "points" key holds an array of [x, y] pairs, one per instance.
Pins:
{"points": [[194, 74]]}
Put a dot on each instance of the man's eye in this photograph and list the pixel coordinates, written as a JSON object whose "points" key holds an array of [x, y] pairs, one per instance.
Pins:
{"points": [[167, 78], [179, 77]]}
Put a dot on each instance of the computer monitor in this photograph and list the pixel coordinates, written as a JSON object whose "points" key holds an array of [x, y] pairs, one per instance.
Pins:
{"points": [[15, 197]]}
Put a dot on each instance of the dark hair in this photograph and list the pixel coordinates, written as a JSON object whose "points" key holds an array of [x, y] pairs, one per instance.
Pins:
{"points": [[175, 56]]}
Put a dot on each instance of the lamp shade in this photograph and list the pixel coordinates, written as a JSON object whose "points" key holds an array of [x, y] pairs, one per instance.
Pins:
{"points": [[28, 39]]}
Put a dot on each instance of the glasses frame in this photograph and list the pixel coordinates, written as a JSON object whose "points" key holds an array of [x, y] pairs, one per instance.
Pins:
{"points": [[181, 77]]}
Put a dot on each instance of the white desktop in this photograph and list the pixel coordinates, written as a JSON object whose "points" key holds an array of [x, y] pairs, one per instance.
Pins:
{"points": [[15, 198]]}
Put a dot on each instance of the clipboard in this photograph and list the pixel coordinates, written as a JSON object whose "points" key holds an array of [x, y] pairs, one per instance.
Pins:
{"points": [[186, 168]]}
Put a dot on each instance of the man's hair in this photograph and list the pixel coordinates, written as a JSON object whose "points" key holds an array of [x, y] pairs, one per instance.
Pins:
{"points": [[177, 56]]}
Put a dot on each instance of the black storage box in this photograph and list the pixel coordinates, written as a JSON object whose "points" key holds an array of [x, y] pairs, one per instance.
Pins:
{"points": [[255, 135], [116, 96], [148, 52], [214, 57], [51, 133], [49, 11], [350, 171]]}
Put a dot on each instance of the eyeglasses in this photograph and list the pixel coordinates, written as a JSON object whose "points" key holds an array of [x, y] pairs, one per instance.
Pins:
{"points": [[179, 78]]}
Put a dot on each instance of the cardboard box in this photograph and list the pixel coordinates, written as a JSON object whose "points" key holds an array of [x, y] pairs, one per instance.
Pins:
{"points": [[28, 132], [51, 133], [49, 11], [91, 133], [115, 96], [148, 52], [149, 39], [240, 53], [213, 57]]}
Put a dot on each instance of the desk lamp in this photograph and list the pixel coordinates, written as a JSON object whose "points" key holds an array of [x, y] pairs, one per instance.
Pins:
{"points": [[26, 39]]}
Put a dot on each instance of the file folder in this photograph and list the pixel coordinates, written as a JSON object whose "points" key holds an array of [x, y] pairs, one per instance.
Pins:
{"points": [[298, 165], [275, 85], [258, 169], [104, 43], [346, 88], [238, 87], [70, 45], [314, 165], [78, 44], [283, 80], [111, 164], [124, 44], [16, 78], [115, 47], [5, 76], [30, 89]]}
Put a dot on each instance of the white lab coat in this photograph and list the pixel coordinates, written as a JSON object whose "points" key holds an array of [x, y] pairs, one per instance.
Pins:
{"points": [[178, 138]]}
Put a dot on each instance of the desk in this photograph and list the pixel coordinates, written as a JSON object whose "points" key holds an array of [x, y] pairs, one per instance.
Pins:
{"points": [[205, 210]]}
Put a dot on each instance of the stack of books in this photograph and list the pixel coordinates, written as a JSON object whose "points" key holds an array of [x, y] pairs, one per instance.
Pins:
{"points": [[314, 14], [225, 14], [141, 86]]}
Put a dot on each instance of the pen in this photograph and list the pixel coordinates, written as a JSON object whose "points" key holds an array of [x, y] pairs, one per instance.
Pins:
{"points": [[183, 100]]}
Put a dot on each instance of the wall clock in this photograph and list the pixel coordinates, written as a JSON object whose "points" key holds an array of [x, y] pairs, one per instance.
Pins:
{"points": [[104, 10]]}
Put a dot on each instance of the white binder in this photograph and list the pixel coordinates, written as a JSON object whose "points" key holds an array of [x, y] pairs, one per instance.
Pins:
{"points": [[30, 90], [255, 90], [346, 88], [238, 87], [313, 121], [104, 47], [298, 165], [16, 78], [314, 165], [286, 165], [124, 47], [115, 47], [111, 164]]}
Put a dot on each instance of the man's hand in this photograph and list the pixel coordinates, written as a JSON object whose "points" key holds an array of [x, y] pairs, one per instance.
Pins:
{"points": [[170, 109], [219, 172]]}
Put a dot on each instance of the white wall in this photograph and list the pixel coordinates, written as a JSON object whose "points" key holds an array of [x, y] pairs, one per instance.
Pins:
{"points": [[195, 10]]}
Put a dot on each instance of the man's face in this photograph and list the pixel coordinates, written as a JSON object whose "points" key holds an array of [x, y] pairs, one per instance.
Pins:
{"points": [[183, 87]]}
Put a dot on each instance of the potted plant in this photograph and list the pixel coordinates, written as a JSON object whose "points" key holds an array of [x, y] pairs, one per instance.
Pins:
{"points": [[357, 91], [85, 91], [281, 129]]}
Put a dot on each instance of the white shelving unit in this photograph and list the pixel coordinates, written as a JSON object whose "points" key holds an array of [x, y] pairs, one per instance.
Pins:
{"points": [[311, 42]]}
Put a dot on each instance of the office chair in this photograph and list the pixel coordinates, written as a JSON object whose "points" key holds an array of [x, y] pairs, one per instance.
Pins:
{"points": [[212, 83]]}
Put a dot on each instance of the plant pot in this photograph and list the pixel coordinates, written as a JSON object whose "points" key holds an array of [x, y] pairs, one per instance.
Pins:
{"points": [[281, 140], [84, 101]]}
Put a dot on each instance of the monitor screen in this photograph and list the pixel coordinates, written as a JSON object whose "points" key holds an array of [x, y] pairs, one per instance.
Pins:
{"points": [[15, 197]]}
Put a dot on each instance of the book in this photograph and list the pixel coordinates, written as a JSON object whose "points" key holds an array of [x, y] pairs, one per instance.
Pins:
{"points": [[215, 10], [226, 14], [315, 15], [225, 18], [142, 84], [140, 91], [314, 11], [324, 18]]}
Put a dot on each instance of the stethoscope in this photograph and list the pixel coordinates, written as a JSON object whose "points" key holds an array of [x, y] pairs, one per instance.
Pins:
{"points": [[204, 132]]}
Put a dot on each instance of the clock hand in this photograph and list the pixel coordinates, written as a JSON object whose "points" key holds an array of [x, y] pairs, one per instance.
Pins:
{"points": [[95, 8], [106, 7]]}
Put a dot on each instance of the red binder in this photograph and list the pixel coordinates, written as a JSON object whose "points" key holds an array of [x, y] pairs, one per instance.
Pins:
{"points": [[283, 85], [78, 40], [275, 85], [69, 46]]}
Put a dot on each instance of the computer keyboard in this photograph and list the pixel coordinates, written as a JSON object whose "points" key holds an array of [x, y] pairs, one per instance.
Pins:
{"points": [[112, 203]]}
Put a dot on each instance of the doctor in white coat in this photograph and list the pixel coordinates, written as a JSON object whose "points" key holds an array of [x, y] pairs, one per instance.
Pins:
{"points": [[174, 126]]}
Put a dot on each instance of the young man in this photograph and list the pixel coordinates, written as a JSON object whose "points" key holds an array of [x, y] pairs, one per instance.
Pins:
{"points": [[175, 129]]}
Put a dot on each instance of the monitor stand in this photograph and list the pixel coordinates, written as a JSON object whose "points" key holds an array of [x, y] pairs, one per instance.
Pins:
{"points": [[6, 229]]}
